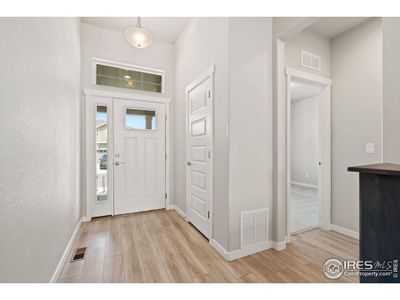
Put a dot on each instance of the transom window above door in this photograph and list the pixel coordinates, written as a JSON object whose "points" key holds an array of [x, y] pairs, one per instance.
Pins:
{"points": [[126, 76]]}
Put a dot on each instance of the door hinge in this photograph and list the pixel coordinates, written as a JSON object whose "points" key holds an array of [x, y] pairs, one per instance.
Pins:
{"points": [[209, 94], [166, 195], [208, 214], [209, 154]]}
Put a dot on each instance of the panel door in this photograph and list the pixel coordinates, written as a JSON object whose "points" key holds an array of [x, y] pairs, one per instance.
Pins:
{"points": [[199, 166], [139, 156]]}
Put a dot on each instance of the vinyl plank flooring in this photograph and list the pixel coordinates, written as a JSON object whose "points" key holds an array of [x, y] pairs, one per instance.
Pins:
{"points": [[113, 270], [160, 246]]}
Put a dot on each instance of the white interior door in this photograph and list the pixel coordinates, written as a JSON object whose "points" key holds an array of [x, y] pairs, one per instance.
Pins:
{"points": [[199, 154], [139, 156]]}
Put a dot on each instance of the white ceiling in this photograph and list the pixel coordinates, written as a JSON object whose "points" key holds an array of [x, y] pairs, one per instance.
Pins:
{"points": [[330, 27], [163, 29], [301, 90]]}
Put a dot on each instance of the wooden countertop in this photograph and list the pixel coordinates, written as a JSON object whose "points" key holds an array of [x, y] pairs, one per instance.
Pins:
{"points": [[379, 169]]}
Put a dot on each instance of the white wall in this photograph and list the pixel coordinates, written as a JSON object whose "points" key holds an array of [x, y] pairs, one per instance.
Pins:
{"points": [[391, 103], [108, 44], [39, 101], [311, 42], [250, 119], [304, 140], [203, 43], [356, 114]]}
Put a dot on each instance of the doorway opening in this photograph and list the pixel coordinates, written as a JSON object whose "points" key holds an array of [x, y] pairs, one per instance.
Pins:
{"points": [[304, 148], [308, 151]]}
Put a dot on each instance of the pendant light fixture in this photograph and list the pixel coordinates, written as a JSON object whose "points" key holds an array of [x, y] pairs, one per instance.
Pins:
{"points": [[137, 36]]}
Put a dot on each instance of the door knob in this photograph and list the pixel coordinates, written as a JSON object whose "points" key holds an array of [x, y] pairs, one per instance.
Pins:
{"points": [[189, 163], [117, 163]]}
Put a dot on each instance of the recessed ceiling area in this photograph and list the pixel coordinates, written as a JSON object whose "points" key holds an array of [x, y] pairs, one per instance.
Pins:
{"points": [[300, 90], [331, 27], [163, 29]]}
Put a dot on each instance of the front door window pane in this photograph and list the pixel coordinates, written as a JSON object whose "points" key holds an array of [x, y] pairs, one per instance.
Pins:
{"points": [[140, 119], [101, 152]]}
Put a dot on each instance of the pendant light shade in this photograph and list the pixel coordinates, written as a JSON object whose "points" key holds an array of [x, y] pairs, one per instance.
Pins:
{"points": [[137, 36]]}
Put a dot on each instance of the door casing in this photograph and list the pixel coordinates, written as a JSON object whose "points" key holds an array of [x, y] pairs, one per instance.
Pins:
{"points": [[324, 170], [105, 97]]}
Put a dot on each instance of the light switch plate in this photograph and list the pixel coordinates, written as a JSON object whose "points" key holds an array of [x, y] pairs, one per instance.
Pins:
{"points": [[369, 148]]}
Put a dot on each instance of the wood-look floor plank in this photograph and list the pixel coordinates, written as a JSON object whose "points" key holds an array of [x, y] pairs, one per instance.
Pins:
{"points": [[133, 266], [172, 263], [152, 263], [250, 278], [205, 278], [114, 238], [93, 267], [113, 270], [160, 246]]}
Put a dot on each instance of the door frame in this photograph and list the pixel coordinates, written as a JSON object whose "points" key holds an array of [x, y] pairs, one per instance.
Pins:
{"points": [[90, 151], [324, 142], [90, 156], [209, 73]]}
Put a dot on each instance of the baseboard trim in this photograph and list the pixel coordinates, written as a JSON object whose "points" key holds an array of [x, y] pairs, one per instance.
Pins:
{"points": [[217, 246], [232, 255], [279, 246], [304, 184], [345, 231], [86, 219], [179, 211], [67, 250]]}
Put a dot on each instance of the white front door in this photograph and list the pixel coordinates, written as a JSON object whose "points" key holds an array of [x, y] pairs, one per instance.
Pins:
{"points": [[199, 154], [139, 156]]}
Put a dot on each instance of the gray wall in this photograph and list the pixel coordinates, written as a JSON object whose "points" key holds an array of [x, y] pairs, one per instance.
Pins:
{"points": [[356, 114], [283, 28], [39, 101], [391, 101], [203, 43], [311, 42], [304, 140], [243, 91], [250, 119]]}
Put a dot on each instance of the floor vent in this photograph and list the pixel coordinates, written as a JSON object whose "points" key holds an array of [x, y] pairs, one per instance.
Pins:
{"points": [[79, 254], [254, 227], [310, 61]]}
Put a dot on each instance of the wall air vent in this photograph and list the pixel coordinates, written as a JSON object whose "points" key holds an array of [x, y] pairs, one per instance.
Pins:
{"points": [[254, 227], [310, 61]]}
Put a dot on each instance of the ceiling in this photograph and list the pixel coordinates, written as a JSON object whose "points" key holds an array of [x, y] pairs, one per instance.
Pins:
{"points": [[331, 27], [163, 29], [301, 90]]}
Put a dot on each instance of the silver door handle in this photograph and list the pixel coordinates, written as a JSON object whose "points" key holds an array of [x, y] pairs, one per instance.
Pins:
{"points": [[189, 163], [117, 163]]}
